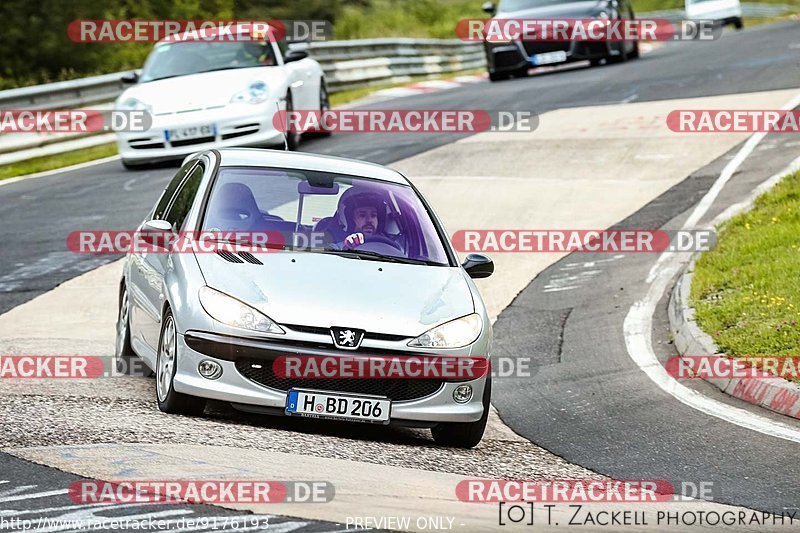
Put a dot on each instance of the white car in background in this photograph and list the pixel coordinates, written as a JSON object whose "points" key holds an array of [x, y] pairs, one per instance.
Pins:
{"points": [[722, 12], [213, 94]]}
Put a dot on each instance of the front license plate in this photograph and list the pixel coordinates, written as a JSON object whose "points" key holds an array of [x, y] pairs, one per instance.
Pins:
{"points": [[190, 132], [317, 404], [549, 58]]}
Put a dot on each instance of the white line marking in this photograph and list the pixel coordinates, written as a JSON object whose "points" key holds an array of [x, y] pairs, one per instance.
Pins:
{"points": [[34, 496], [724, 177], [639, 321], [58, 170], [127, 186]]}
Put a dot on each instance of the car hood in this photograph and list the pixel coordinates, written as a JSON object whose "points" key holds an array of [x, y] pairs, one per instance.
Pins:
{"points": [[571, 10], [207, 89], [324, 290]]}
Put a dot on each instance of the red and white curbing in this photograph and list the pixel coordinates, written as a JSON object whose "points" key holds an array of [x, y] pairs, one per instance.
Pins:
{"points": [[773, 393]]}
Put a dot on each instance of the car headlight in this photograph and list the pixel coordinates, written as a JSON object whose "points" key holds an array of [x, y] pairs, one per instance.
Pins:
{"points": [[133, 104], [454, 334], [232, 312], [255, 93]]}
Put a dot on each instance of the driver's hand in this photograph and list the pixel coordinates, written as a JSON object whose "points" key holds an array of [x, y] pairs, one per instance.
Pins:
{"points": [[353, 240]]}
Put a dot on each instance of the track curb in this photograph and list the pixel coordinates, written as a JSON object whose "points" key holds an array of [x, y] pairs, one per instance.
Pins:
{"points": [[775, 394]]}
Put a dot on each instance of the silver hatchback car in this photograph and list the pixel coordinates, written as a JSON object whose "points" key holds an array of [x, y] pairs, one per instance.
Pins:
{"points": [[355, 267]]}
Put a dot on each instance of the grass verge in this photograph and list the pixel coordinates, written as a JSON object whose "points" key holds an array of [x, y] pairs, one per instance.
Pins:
{"points": [[747, 290], [51, 162]]}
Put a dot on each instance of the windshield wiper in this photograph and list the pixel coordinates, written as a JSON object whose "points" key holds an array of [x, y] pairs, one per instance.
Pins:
{"points": [[375, 256]]}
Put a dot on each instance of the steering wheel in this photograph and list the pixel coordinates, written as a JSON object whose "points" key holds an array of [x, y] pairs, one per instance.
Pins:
{"points": [[379, 239]]}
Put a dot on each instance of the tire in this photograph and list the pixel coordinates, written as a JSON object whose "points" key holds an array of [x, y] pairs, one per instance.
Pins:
{"points": [[498, 76], [521, 72], [465, 434], [124, 356], [169, 400], [621, 58], [738, 23], [635, 52], [324, 105], [129, 165], [292, 137]]}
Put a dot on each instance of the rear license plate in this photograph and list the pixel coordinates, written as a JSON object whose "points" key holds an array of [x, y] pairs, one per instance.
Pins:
{"points": [[549, 58], [339, 406], [190, 132]]}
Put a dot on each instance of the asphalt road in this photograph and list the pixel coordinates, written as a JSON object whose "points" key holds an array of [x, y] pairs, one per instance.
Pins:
{"points": [[587, 404]]}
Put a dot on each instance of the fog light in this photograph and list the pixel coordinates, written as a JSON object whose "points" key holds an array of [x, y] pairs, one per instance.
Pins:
{"points": [[463, 393], [209, 369]]}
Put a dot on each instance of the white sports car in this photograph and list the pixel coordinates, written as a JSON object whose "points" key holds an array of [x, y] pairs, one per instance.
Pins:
{"points": [[210, 94]]}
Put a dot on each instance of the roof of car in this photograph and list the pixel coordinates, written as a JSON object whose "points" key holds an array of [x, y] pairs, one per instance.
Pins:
{"points": [[255, 157]]}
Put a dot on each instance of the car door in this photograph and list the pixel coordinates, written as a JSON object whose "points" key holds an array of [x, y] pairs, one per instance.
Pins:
{"points": [[148, 270]]}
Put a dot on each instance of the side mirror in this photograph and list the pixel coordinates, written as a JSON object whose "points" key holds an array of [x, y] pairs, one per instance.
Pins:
{"points": [[488, 7], [130, 78], [478, 266], [154, 232], [294, 55]]}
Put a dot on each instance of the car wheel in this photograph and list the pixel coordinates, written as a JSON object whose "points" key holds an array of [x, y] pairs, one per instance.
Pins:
{"points": [[324, 105], [621, 57], [521, 72], [738, 23], [124, 356], [292, 137], [169, 400], [498, 76], [635, 52], [465, 434], [129, 165]]}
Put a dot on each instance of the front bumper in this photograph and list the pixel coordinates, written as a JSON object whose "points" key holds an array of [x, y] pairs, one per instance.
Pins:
{"points": [[233, 387], [235, 125], [509, 57]]}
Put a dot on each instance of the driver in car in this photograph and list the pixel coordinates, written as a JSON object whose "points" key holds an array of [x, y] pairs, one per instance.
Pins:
{"points": [[365, 214]]}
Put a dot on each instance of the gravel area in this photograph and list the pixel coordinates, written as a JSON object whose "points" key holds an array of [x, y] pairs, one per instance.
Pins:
{"points": [[122, 410]]}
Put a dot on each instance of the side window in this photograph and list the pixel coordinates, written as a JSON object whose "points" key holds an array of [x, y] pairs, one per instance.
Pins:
{"points": [[169, 192], [184, 199]]}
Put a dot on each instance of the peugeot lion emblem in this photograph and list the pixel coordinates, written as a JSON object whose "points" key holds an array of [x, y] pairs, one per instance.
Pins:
{"points": [[347, 338]]}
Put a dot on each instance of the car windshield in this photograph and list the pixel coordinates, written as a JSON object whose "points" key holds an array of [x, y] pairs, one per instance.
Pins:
{"points": [[508, 6], [169, 60], [318, 211]]}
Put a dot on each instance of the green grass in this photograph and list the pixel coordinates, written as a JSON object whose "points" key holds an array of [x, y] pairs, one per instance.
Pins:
{"points": [[51, 162], [747, 290]]}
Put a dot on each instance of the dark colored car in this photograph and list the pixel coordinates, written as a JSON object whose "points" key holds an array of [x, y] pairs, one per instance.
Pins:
{"points": [[514, 58]]}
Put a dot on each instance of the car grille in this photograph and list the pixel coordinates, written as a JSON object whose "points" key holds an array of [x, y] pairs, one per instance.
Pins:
{"points": [[397, 390], [542, 47]]}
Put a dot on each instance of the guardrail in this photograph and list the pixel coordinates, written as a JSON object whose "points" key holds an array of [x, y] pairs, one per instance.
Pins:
{"points": [[347, 65]]}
